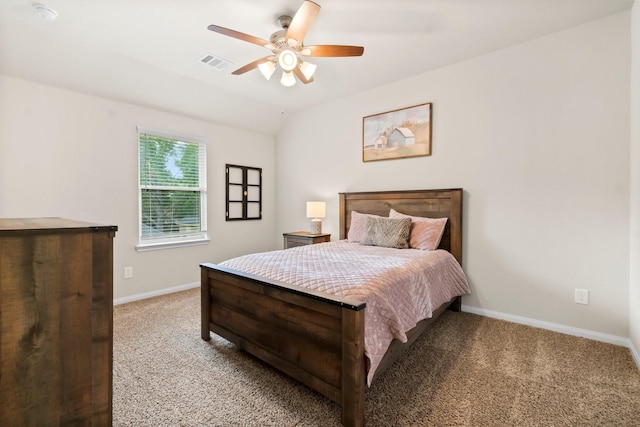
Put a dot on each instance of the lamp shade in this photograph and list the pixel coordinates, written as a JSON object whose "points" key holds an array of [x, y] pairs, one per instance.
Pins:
{"points": [[316, 209], [287, 79], [308, 69], [267, 69]]}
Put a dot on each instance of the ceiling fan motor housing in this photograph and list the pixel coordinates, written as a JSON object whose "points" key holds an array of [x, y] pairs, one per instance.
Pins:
{"points": [[284, 21], [278, 38]]}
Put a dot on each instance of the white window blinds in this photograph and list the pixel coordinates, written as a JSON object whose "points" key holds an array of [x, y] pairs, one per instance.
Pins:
{"points": [[172, 183]]}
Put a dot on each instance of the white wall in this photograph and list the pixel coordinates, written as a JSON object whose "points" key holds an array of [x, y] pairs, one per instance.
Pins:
{"points": [[70, 155], [538, 137], [634, 287]]}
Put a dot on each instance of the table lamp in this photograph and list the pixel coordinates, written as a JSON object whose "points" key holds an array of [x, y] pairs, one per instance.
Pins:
{"points": [[316, 210]]}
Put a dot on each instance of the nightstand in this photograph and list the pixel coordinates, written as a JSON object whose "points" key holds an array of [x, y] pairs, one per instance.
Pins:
{"points": [[301, 238]]}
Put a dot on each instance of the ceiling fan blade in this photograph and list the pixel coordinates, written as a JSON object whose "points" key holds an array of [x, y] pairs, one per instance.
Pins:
{"points": [[302, 21], [332, 50], [241, 36], [301, 76], [251, 65]]}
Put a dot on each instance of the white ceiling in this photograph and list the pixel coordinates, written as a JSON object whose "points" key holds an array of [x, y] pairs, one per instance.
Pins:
{"points": [[148, 52]]}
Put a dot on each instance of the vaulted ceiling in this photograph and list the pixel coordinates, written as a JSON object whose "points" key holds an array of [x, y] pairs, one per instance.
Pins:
{"points": [[148, 52]]}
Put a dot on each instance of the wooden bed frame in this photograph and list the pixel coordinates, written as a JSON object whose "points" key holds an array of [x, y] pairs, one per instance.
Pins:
{"points": [[314, 337]]}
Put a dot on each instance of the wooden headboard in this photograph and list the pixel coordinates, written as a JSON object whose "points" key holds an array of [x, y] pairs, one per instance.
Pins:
{"points": [[426, 203]]}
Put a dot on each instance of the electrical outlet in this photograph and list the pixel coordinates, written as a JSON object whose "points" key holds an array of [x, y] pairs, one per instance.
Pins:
{"points": [[128, 272], [582, 296]]}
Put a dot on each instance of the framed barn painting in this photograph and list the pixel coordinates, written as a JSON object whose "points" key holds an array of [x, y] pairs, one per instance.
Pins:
{"points": [[397, 134]]}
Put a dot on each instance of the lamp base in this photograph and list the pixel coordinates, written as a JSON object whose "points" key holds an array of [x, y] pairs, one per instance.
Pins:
{"points": [[316, 226]]}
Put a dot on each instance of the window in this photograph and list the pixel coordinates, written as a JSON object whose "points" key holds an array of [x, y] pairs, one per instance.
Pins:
{"points": [[244, 192], [172, 190]]}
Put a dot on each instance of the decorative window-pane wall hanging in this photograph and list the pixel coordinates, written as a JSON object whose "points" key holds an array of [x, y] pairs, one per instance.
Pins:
{"points": [[244, 192]]}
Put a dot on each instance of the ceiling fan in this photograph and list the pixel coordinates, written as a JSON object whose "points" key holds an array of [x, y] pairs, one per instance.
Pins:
{"points": [[287, 44]]}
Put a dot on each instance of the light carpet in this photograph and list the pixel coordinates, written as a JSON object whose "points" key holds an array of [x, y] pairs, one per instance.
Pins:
{"points": [[467, 370]]}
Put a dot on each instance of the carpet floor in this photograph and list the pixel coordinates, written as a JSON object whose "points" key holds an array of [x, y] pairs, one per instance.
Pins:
{"points": [[467, 370]]}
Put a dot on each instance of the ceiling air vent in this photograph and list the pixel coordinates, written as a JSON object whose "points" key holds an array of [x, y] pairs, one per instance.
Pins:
{"points": [[216, 62]]}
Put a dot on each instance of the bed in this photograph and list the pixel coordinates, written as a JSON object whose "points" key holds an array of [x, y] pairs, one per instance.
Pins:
{"points": [[316, 337]]}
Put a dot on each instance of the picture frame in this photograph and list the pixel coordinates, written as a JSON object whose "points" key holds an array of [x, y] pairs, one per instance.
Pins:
{"points": [[397, 134]]}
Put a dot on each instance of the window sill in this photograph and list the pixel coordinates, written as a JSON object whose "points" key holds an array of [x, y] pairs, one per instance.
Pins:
{"points": [[144, 247]]}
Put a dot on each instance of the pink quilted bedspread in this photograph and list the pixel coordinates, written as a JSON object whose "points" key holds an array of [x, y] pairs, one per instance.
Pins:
{"points": [[399, 286]]}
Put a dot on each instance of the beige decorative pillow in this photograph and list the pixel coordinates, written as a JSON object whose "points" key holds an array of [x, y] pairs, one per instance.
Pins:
{"points": [[356, 227], [386, 232], [426, 233]]}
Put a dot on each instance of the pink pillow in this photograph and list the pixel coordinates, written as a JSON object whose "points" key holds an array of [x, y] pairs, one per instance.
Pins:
{"points": [[356, 228], [425, 232]]}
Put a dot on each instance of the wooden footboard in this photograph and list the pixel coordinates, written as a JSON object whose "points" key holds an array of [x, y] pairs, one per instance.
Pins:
{"points": [[316, 338]]}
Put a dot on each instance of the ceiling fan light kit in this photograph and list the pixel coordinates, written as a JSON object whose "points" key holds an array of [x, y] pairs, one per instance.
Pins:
{"points": [[308, 69], [287, 44], [287, 79], [267, 69], [287, 59]]}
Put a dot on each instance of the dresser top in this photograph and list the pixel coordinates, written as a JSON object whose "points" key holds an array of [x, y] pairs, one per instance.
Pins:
{"points": [[22, 226]]}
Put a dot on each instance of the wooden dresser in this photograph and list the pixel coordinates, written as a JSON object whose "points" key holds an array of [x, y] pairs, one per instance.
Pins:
{"points": [[56, 322]]}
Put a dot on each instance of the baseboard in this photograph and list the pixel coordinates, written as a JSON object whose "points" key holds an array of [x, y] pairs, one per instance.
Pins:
{"points": [[155, 293], [556, 327], [634, 353]]}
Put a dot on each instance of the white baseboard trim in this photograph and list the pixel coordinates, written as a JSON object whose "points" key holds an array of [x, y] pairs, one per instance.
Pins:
{"points": [[635, 354], [156, 293], [556, 327]]}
